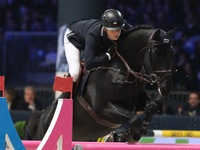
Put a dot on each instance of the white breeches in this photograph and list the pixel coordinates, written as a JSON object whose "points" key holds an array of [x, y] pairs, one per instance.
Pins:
{"points": [[73, 57]]}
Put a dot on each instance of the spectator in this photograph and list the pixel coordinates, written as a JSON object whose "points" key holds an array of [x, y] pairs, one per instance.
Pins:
{"points": [[29, 102], [12, 98], [25, 26], [192, 107], [37, 25]]}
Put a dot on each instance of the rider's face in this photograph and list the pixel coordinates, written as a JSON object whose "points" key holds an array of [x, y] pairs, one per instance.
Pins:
{"points": [[113, 34]]}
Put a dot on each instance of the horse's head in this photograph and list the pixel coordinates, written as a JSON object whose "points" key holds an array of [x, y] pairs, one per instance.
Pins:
{"points": [[158, 59]]}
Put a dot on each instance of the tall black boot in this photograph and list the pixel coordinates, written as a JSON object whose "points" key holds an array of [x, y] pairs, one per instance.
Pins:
{"points": [[74, 89], [66, 94]]}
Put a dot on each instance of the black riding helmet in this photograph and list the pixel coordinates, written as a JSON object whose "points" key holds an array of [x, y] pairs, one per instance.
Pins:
{"points": [[112, 19]]}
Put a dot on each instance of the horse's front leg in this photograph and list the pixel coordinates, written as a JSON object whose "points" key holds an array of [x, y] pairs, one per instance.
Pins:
{"points": [[114, 113], [119, 114], [151, 110]]}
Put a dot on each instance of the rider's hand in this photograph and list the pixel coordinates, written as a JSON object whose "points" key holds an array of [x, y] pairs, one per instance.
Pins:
{"points": [[111, 49]]}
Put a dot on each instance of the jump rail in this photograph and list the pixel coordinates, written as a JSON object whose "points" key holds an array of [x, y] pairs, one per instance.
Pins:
{"points": [[32, 145]]}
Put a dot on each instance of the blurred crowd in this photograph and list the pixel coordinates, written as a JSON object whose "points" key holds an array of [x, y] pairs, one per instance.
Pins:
{"points": [[28, 15], [41, 15], [28, 101], [168, 14]]}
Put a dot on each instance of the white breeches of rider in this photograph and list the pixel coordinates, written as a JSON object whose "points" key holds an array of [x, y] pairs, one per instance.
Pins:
{"points": [[73, 57]]}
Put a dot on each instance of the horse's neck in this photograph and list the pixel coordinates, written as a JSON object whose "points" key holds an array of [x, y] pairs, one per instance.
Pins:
{"points": [[131, 45]]}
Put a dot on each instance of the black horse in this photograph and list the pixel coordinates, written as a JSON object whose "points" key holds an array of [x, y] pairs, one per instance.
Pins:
{"points": [[113, 93]]}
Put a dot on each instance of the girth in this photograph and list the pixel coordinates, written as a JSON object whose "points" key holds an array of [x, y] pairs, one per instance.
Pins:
{"points": [[92, 113]]}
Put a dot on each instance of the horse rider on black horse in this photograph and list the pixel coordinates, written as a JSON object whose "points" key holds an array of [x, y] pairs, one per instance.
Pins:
{"points": [[96, 37]]}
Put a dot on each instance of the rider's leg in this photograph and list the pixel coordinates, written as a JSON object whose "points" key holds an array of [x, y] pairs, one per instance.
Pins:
{"points": [[73, 57]]}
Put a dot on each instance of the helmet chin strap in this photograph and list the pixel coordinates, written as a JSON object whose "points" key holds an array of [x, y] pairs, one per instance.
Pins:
{"points": [[109, 37], [107, 33]]}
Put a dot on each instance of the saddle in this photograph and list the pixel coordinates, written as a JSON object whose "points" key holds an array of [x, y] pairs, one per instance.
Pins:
{"points": [[82, 76]]}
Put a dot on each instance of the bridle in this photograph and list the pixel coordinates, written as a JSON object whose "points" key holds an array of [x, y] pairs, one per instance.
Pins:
{"points": [[147, 60], [149, 78]]}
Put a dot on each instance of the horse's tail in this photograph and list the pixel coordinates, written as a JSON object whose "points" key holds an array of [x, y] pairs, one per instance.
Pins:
{"points": [[31, 126]]}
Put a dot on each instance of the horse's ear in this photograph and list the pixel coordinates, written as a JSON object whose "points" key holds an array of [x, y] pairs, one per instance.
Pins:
{"points": [[172, 32], [156, 35]]}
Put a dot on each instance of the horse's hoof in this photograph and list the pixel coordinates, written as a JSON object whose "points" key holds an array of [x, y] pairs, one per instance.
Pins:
{"points": [[136, 136], [123, 133], [123, 136]]}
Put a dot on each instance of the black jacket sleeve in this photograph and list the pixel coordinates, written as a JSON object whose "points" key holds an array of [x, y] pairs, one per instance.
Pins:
{"points": [[91, 52]]}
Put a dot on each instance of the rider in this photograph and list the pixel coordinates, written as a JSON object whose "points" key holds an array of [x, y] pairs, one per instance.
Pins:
{"points": [[96, 38]]}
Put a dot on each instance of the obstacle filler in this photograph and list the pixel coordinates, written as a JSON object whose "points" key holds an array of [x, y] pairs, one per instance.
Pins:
{"points": [[60, 128], [7, 129], [60, 132], [8, 133]]}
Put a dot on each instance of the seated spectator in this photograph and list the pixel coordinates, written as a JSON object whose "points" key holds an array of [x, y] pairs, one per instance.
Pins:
{"points": [[29, 102], [192, 108], [12, 98]]}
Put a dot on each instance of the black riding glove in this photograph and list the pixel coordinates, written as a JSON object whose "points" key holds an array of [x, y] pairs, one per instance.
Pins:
{"points": [[112, 49]]}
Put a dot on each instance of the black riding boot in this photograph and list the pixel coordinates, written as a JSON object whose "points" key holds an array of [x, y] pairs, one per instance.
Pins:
{"points": [[74, 89]]}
